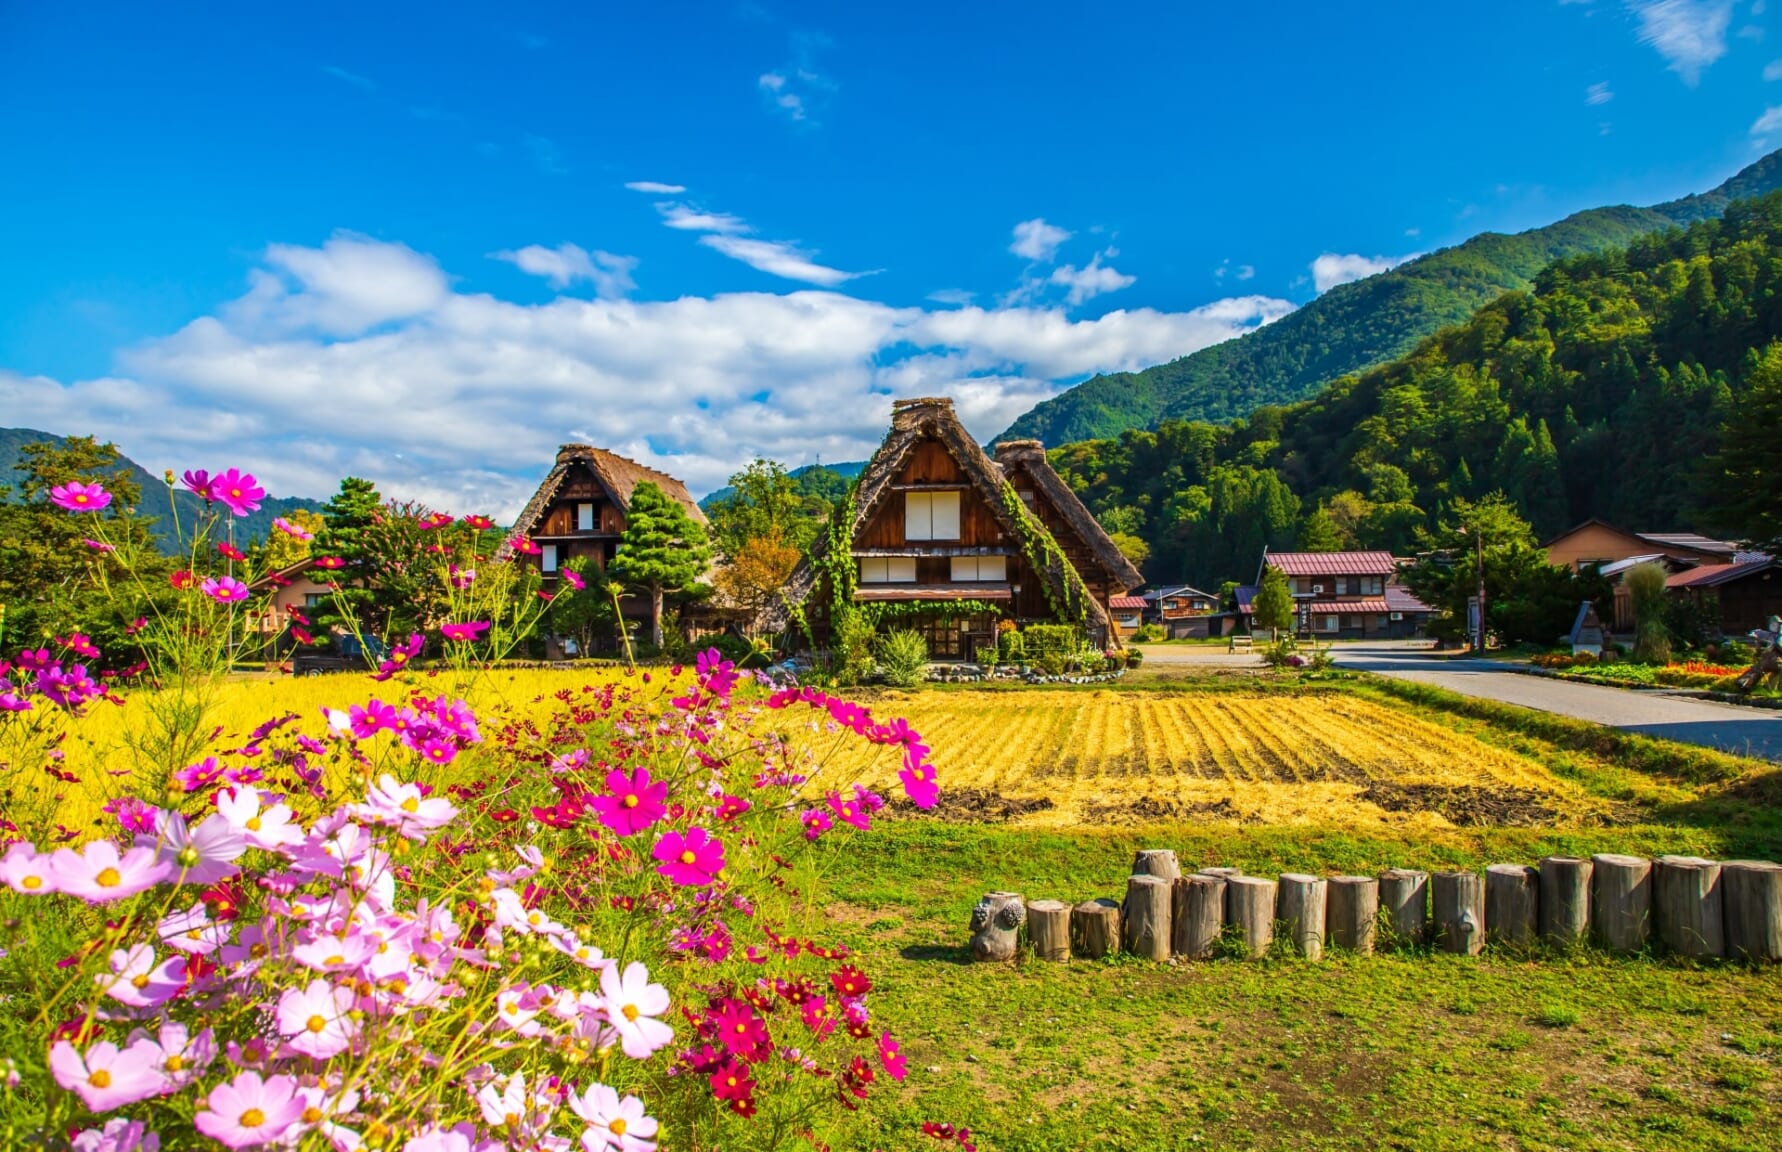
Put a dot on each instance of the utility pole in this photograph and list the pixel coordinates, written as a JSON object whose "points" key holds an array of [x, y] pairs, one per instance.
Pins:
{"points": [[1479, 565]]}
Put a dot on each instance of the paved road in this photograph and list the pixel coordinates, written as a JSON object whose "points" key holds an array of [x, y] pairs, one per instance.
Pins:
{"points": [[1747, 731]]}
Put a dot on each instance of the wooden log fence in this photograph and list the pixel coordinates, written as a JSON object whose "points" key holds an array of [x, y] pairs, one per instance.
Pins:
{"points": [[1686, 905]]}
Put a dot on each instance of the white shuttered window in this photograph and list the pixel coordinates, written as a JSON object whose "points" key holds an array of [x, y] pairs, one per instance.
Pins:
{"points": [[887, 569], [931, 515], [976, 569]]}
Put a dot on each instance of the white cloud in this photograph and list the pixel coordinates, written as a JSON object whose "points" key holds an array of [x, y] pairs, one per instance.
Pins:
{"points": [[656, 188], [774, 86], [460, 399], [1598, 94], [1037, 240], [352, 78], [692, 220], [777, 258], [567, 263], [1089, 281], [1689, 34], [1333, 268], [952, 296], [1769, 122], [1773, 71]]}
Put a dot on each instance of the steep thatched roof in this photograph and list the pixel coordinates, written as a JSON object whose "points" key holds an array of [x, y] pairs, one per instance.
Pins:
{"points": [[618, 475], [1029, 456], [913, 421]]}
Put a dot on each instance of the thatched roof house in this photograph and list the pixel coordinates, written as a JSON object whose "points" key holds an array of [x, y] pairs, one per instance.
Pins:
{"points": [[952, 542], [580, 508]]}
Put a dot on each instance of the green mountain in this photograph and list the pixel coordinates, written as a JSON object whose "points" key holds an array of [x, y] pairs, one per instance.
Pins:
{"points": [[1610, 389], [826, 481], [157, 501], [1358, 325]]}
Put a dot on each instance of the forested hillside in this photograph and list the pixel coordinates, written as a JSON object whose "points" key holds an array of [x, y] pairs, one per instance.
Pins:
{"points": [[1359, 325], [157, 503], [1604, 391]]}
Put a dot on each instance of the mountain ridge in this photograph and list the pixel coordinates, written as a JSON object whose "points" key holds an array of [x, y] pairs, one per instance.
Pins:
{"points": [[1361, 324]]}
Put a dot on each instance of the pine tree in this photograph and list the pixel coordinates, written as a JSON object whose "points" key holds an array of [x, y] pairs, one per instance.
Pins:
{"points": [[1320, 533], [663, 550], [1749, 464], [1273, 605]]}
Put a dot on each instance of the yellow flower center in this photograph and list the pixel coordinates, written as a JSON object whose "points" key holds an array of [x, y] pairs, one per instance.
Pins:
{"points": [[688, 857], [630, 1012], [175, 1062], [312, 1115], [100, 1079], [31, 883], [333, 960], [140, 981], [631, 801], [741, 1028], [511, 1120], [411, 805], [109, 878], [316, 1024], [252, 1118], [618, 1126], [253, 824]]}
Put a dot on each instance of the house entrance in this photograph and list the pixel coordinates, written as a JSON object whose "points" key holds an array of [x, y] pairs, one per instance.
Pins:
{"points": [[953, 637]]}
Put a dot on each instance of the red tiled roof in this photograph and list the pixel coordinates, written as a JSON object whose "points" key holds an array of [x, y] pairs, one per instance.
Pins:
{"points": [[1401, 600], [1714, 575], [1323, 607], [1332, 563], [1126, 602]]}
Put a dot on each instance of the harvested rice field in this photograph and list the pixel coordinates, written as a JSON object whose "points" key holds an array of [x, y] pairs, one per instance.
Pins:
{"points": [[1065, 758]]}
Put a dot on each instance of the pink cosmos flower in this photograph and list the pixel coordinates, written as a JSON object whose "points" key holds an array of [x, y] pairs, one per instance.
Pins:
{"points": [[107, 1077], [25, 871], [632, 1004], [816, 822], [13, 702], [197, 777], [742, 1031], [730, 807], [183, 1056], [196, 855], [460, 1138], [116, 1136], [891, 1056], [466, 632], [229, 551], [294, 531], [693, 860], [525, 546], [335, 953], [98, 873], [260, 824], [78, 497], [573, 579], [919, 785], [404, 805], [224, 589], [198, 480], [634, 802], [80, 644], [329, 563], [615, 1123], [314, 1021], [136, 981], [100, 546], [249, 1111], [848, 811], [525, 1116], [375, 717], [237, 491]]}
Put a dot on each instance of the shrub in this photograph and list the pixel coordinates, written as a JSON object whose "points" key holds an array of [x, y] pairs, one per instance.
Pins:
{"points": [[1050, 663], [1149, 634], [902, 656], [851, 637], [1010, 647], [1134, 657], [1645, 585]]}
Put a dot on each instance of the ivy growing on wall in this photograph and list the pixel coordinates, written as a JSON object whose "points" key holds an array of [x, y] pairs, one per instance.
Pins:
{"points": [[881, 611], [1042, 552]]}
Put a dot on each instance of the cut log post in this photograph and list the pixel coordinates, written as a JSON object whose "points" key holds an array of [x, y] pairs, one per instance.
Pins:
{"points": [[1459, 902], [1687, 904], [1250, 906], [1351, 910], [1146, 917], [1197, 915], [1404, 905], [1752, 893], [1222, 873], [1565, 900], [1300, 909], [1620, 901], [1048, 927], [1512, 904], [1156, 862], [1095, 929], [996, 926]]}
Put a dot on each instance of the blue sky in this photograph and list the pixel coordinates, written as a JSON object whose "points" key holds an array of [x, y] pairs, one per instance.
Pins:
{"points": [[427, 243]]}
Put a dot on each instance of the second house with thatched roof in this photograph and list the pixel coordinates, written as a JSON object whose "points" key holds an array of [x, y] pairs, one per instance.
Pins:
{"points": [[940, 539]]}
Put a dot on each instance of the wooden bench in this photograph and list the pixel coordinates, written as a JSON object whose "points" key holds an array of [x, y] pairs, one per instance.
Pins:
{"points": [[1240, 642]]}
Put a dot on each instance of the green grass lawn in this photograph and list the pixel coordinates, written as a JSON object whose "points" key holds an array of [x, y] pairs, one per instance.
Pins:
{"points": [[1403, 1051]]}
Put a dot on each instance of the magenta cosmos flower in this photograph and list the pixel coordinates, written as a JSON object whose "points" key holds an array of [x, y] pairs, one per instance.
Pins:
{"points": [[98, 873], [635, 802], [78, 497], [224, 589], [574, 579], [198, 480], [237, 491], [693, 860], [467, 632], [108, 1077], [249, 1111], [294, 531]]}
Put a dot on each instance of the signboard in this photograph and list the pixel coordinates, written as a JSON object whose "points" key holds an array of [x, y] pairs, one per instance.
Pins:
{"points": [[1473, 623]]}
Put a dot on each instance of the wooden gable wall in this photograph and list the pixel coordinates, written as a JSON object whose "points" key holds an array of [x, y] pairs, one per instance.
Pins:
{"points": [[930, 463], [558, 524], [1075, 549]]}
